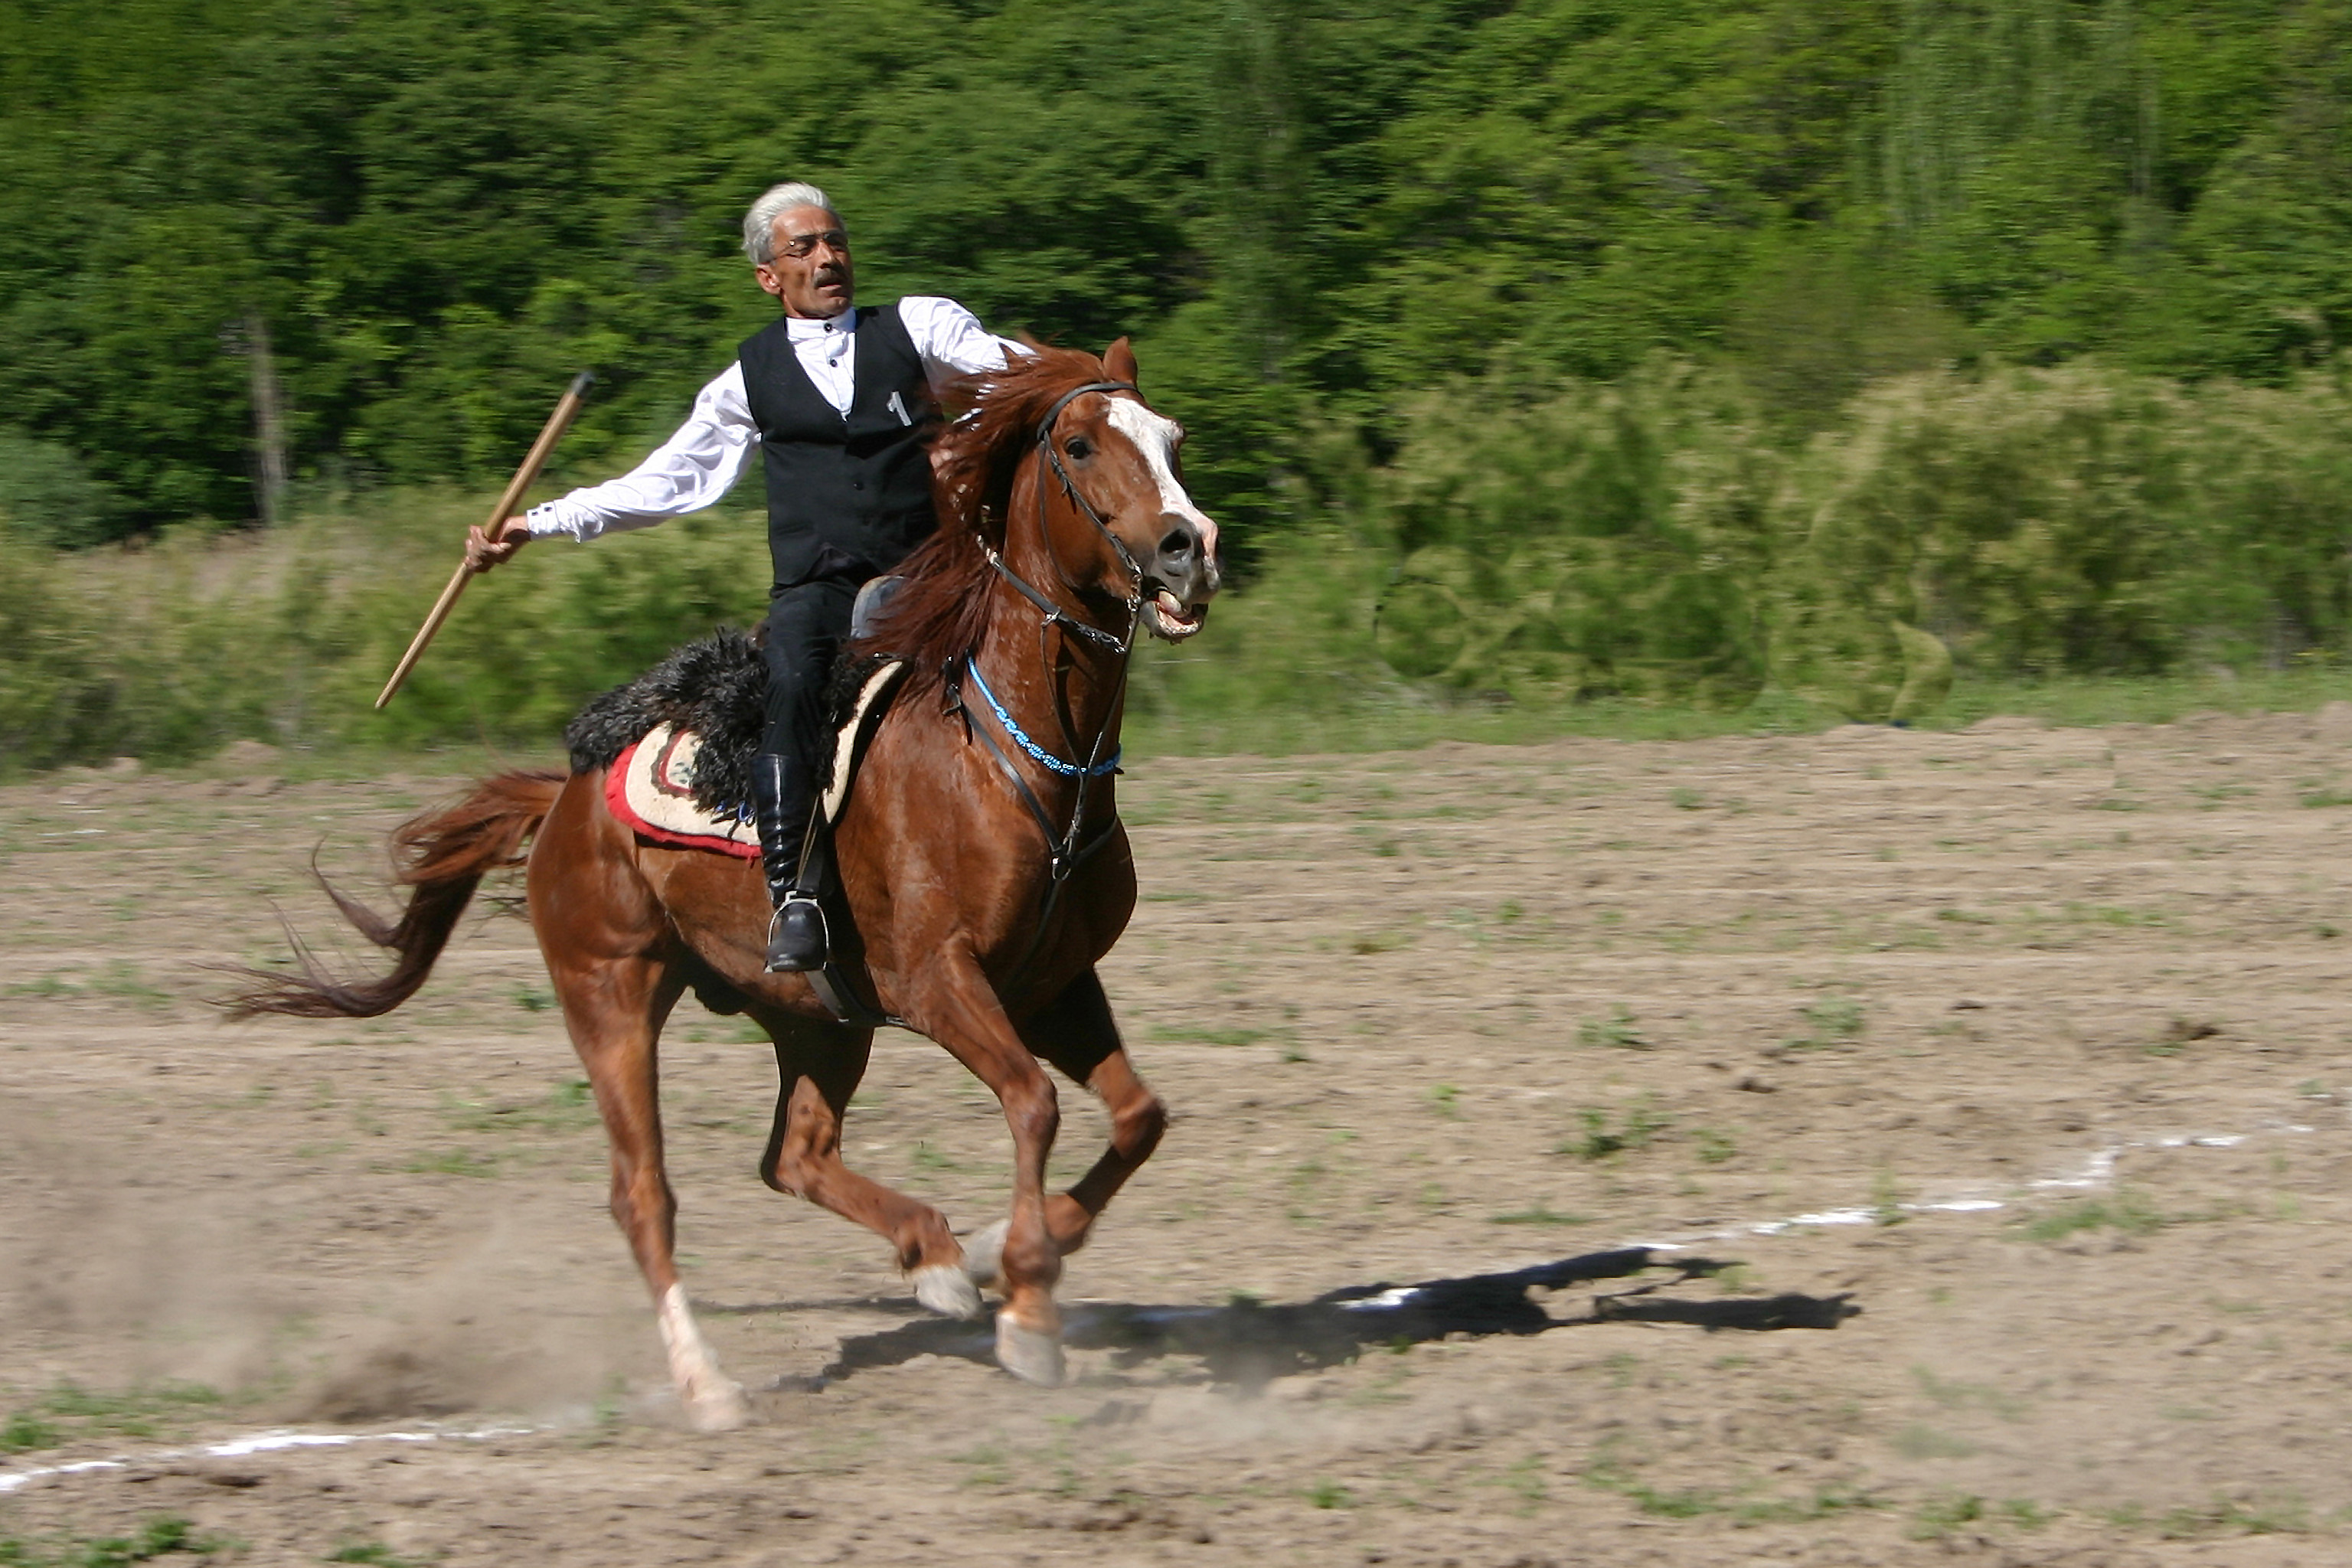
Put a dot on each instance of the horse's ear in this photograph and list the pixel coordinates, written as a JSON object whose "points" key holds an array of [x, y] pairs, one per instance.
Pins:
{"points": [[1119, 361]]}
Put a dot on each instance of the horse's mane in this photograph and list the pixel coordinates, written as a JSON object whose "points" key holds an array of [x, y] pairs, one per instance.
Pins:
{"points": [[940, 611]]}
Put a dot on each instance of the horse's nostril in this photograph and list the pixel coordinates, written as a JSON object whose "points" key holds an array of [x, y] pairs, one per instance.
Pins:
{"points": [[1177, 545]]}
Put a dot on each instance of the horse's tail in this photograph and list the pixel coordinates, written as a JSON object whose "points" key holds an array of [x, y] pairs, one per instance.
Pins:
{"points": [[442, 855]]}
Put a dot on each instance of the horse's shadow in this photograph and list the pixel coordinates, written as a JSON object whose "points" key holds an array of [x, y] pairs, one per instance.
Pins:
{"points": [[1248, 1343]]}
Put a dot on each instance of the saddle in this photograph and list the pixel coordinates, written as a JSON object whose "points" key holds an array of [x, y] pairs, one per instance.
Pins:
{"points": [[677, 743], [652, 786], [678, 739]]}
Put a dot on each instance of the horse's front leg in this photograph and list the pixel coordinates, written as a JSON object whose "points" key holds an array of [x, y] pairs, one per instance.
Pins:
{"points": [[957, 1007], [1077, 1034]]}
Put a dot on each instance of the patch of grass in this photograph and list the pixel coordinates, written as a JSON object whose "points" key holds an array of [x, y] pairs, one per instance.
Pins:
{"points": [[1379, 941], [2227, 1516], [1306, 1184], [986, 1466], [1835, 1020], [1331, 1494], [453, 1163], [1687, 800], [70, 1413], [1940, 1516], [2125, 1211], [1228, 1035], [156, 1538], [1734, 1279], [1538, 1214], [1524, 1480], [1445, 1099], [43, 987], [568, 1106], [121, 981], [534, 998], [1969, 1396], [374, 1552], [26, 1431], [2113, 915], [1823, 1504], [1920, 1441], [1886, 1200], [1641, 1126], [1616, 1031], [1712, 1147]]}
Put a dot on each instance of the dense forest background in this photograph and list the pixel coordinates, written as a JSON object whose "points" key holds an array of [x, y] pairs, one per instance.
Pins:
{"points": [[1559, 349]]}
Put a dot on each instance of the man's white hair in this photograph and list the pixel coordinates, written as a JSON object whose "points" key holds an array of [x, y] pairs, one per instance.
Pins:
{"points": [[759, 223]]}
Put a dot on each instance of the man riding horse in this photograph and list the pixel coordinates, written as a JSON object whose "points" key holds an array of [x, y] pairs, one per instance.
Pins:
{"points": [[841, 403]]}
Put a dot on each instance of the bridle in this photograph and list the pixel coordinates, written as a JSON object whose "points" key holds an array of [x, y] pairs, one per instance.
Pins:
{"points": [[1054, 613], [1070, 848]]}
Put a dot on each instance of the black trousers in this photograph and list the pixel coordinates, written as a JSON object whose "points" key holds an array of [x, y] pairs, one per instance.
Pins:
{"points": [[801, 636]]}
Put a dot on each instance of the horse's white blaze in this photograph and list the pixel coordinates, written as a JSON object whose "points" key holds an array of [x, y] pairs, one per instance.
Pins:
{"points": [[1154, 435], [713, 1402]]}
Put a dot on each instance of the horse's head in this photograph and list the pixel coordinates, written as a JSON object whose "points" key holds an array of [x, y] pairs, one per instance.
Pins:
{"points": [[1118, 457]]}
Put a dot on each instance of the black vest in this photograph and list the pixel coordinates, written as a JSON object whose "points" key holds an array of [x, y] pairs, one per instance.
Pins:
{"points": [[848, 499]]}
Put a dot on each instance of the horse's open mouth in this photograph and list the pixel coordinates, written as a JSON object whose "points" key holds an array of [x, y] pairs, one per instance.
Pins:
{"points": [[1169, 617]]}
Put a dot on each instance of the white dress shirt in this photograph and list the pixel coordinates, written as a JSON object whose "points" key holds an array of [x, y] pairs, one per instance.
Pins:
{"points": [[709, 452]]}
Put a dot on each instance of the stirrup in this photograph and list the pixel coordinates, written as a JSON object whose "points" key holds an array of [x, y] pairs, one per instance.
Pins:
{"points": [[797, 939]]}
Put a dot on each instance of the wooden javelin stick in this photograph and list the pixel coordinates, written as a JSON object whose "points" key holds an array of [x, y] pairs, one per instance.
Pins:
{"points": [[557, 422]]}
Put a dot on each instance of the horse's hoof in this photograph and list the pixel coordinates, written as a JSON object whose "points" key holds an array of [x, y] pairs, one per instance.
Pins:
{"points": [[717, 1408], [1029, 1355], [947, 1291], [983, 1254]]}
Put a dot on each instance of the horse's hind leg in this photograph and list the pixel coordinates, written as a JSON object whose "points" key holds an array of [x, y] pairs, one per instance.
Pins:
{"points": [[1078, 1036], [615, 1009], [818, 1068]]}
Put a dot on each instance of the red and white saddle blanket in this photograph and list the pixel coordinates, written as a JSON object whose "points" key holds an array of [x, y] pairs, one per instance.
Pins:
{"points": [[651, 785], [651, 789]]}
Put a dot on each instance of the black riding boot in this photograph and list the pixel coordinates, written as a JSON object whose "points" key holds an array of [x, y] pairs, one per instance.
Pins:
{"points": [[782, 793]]}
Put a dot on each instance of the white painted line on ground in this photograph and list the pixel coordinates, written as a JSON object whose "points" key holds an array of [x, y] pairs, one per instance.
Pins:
{"points": [[2096, 1172], [257, 1443]]}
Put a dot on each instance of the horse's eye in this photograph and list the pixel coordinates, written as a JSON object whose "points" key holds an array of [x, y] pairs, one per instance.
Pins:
{"points": [[1079, 447]]}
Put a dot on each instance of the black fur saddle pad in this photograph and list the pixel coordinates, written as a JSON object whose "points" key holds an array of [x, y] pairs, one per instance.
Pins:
{"points": [[717, 691], [718, 687]]}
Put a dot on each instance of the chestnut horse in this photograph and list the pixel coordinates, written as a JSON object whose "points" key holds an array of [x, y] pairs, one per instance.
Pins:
{"points": [[979, 854]]}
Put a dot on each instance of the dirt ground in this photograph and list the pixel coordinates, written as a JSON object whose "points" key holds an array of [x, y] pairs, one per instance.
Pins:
{"points": [[1871, 1148]]}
